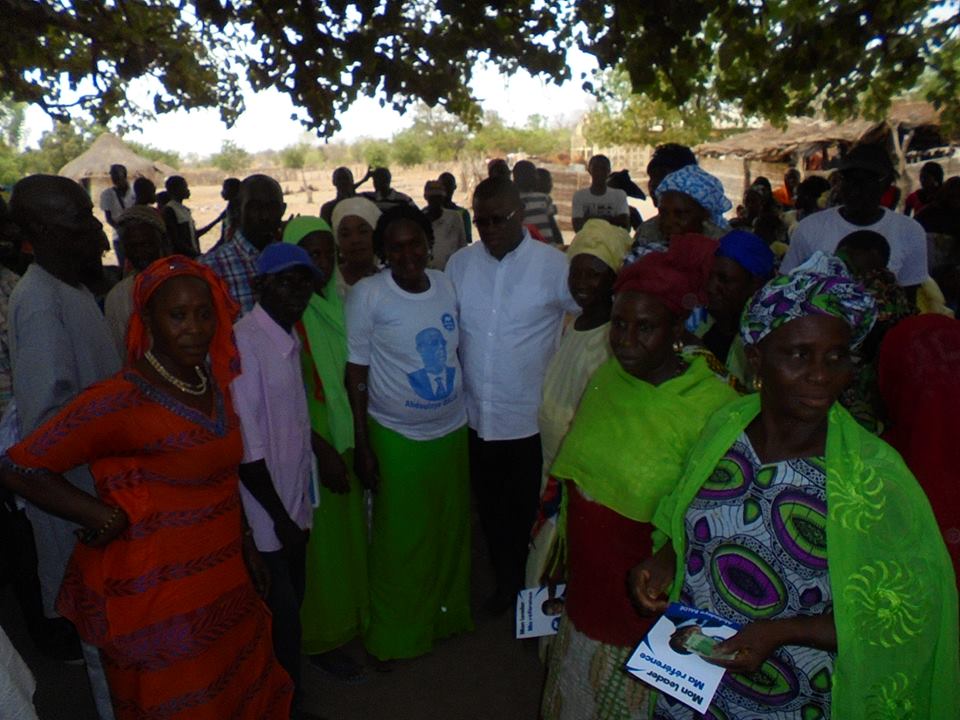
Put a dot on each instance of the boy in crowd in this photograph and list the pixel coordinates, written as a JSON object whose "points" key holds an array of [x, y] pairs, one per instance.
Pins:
{"points": [[271, 403], [599, 200]]}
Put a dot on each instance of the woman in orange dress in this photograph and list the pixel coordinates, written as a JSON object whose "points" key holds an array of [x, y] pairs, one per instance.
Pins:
{"points": [[159, 580]]}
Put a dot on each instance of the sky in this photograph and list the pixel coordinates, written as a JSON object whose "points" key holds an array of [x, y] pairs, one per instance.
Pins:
{"points": [[266, 123]]}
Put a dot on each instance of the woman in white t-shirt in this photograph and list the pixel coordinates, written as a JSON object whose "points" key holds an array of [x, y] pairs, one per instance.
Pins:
{"points": [[406, 390]]}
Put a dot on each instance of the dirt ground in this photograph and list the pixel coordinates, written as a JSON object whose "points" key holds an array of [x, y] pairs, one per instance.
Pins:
{"points": [[483, 675]]}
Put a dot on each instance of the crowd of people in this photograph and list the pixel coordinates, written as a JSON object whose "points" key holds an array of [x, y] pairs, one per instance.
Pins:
{"points": [[226, 461]]}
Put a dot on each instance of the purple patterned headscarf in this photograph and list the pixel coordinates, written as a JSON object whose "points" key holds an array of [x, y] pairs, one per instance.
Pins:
{"points": [[820, 286]]}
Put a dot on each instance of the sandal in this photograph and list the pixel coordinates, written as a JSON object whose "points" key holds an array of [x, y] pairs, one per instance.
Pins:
{"points": [[340, 666]]}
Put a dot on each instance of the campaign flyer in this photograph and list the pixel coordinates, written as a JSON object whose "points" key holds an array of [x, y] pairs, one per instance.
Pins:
{"points": [[539, 610], [670, 657]]}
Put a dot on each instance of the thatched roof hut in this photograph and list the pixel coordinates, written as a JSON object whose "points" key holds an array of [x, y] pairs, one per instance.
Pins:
{"points": [[804, 136], [109, 150], [911, 132]]}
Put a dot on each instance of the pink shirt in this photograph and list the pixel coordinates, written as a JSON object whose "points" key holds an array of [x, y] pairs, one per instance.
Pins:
{"points": [[271, 402]]}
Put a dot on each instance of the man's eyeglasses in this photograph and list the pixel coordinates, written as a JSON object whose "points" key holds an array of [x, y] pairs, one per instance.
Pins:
{"points": [[494, 220]]}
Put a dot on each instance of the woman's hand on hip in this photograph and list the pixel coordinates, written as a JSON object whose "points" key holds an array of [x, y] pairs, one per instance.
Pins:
{"points": [[113, 523]]}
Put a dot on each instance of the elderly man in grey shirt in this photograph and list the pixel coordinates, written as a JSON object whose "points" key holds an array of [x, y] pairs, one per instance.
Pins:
{"points": [[59, 344]]}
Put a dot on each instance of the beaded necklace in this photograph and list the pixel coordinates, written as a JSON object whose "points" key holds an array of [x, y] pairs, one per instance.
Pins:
{"points": [[198, 389]]}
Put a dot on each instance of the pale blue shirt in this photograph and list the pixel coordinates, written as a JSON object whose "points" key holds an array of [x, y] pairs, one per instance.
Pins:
{"points": [[60, 344]]}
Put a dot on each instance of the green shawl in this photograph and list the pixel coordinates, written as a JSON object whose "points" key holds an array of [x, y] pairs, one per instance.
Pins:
{"points": [[325, 327], [326, 335], [894, 594], [629, 439]]}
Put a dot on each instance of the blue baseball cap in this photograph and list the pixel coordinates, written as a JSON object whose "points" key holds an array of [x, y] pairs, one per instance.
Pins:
{"points": [[277, 257]]}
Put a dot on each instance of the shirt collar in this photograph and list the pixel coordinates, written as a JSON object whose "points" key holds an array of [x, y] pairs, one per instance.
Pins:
{"points": [[244, 245], [286, 343]]}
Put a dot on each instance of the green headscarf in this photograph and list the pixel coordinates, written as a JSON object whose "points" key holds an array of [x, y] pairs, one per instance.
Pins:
{"points": [[326, 344], [894, 594]]}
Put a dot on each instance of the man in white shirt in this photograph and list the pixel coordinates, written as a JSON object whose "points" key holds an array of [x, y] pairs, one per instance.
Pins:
{"points": [[113, 201], [512, 295], [865, 173], [598, 200]]}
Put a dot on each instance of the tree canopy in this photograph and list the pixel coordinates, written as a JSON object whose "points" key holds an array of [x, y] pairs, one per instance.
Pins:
{"points": [[231, 158], [774, 58], [438, 136], [623, 117], [56, 147]]}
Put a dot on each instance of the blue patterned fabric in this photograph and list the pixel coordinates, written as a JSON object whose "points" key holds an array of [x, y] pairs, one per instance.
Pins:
{"points": [[703, 187]]}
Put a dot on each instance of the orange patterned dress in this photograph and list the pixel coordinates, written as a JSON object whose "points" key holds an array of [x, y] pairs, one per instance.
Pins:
{"points": [[170, 604]]}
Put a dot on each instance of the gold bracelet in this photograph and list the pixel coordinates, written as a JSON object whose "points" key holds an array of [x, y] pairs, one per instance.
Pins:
{"points": [[89, 535]]}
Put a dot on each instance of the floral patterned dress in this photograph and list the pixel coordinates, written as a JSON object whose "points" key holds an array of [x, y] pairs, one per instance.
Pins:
{"points": [[756, 550]]}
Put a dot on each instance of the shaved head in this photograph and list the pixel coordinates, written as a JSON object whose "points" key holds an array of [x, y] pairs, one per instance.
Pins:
{"points": [[56, 215], [42, 197], [261, 209], [498, 187], [260, 184]]}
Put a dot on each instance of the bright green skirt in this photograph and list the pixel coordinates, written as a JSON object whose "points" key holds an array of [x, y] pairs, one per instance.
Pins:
{"points": [[336, 607], [419, 556]]}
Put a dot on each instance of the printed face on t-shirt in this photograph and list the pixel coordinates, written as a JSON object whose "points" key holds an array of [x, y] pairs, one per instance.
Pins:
{"points": [[433, 350]]}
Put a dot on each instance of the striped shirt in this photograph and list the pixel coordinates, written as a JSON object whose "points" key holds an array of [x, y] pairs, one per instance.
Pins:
{"points": [[538, 208]]}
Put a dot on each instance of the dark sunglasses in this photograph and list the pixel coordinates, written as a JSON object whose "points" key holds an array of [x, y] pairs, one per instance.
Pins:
{"points": [[494, 220]]}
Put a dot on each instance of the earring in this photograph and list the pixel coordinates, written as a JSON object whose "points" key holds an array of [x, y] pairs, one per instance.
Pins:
{"points": [[678, 346], [757, 384]]}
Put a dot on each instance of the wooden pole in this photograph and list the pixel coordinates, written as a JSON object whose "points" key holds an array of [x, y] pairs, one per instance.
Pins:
{"points": [[903, 182]]}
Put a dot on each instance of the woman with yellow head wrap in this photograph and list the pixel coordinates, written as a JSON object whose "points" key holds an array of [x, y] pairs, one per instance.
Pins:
{"points": [[595, 256]]}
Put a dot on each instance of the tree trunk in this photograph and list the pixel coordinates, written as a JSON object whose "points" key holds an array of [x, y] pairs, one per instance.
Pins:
{"points": [[904, 182], [306, 186]]}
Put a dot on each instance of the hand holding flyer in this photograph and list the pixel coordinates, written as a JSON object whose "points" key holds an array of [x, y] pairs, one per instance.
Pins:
{"points": [[671, 657]]}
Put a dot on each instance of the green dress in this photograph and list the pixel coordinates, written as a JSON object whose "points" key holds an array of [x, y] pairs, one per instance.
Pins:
{"points": [[420, 543], [336, 607]]}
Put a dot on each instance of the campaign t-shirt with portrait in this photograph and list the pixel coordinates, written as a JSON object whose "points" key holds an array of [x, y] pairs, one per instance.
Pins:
{"points": [[409, 341]]}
